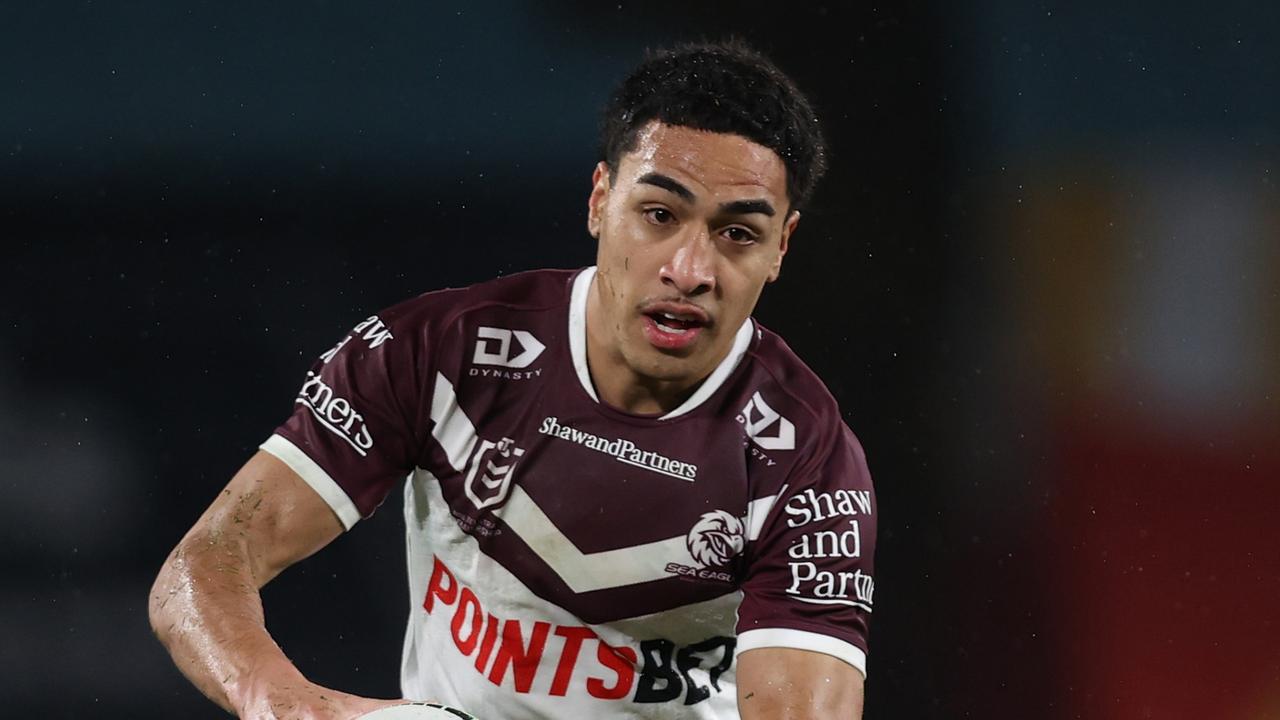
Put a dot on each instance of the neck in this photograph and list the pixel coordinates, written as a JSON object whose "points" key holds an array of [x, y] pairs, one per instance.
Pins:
{"points": [[640, 395]]}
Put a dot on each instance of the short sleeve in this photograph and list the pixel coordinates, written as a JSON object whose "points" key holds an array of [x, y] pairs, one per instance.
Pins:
{"points": [[809, 582], [354, 428]]}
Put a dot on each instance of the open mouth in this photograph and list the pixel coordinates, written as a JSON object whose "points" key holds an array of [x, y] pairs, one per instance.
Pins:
{"points": [[673, 324], [669, 326]]}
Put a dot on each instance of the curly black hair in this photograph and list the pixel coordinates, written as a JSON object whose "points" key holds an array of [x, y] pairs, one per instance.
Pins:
{"points": [[724, 87]]}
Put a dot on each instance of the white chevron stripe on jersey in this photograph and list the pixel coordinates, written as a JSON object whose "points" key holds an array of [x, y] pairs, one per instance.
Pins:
{"points": [[758, 510], [436, 667], [582, 572], [453, 429]]}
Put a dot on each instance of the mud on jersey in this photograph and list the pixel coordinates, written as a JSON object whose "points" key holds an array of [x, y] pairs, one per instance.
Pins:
{"points": [[567, 559]]}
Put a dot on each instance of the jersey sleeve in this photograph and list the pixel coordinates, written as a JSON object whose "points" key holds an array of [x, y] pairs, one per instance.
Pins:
{"points": [[355, 423], [809, 583]]}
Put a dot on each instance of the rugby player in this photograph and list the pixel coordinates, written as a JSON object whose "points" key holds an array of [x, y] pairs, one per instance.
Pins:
{"points": [[623, 496]]}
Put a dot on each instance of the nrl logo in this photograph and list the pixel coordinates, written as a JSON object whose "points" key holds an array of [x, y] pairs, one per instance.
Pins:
{"points": [[716, 539], [492, 468]]}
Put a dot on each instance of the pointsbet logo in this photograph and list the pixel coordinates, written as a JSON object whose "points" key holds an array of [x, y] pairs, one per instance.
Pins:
{"points": [[534, 656]]}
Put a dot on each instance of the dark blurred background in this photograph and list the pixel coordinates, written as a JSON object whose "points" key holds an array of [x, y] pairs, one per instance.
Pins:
{"points": [[1042, 279]]}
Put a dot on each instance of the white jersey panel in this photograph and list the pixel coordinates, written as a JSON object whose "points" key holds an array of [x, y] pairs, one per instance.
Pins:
{"points": [[479, 639]]}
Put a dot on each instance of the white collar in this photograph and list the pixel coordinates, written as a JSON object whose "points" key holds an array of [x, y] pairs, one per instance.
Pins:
{"points": [[578, 349]]}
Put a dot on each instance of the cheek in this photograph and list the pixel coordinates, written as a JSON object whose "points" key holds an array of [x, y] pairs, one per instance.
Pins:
{"points": [[762, 268], [613, 276], [613, 259], [742, 284], [615, 238], [627, 253]]}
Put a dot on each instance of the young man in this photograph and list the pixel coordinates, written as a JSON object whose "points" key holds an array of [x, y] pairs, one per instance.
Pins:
{"points": [[625, 498]]}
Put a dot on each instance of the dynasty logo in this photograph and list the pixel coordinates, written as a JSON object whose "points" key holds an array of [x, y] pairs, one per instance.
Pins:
{"points": [[766, 426], [495, 346]]}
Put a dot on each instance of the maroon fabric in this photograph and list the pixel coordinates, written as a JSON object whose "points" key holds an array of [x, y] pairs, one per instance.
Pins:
{"points": [[810, 569]]}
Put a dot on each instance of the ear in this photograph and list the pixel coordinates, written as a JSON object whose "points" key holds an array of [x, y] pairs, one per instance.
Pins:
{"points": [[787, 228], [599, 194]]}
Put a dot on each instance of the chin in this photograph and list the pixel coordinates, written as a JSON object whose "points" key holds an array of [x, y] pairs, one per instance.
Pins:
{"points": [[667, 367]]}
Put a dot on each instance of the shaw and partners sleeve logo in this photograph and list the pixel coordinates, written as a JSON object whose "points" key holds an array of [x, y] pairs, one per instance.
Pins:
{"points": [[814, 582], [372, 330], [622, 450], [498, 346], [335, 413], [490, 472], [766, 426]]}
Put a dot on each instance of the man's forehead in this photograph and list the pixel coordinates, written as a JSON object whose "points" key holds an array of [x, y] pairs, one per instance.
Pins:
{"points": [[715, 161]]}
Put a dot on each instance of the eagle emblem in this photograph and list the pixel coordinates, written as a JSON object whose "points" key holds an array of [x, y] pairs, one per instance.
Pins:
{"points": [[716, 539]]}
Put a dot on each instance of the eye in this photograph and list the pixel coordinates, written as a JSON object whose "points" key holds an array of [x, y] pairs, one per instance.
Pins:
{"points": [[659, 216], [740, 235]]}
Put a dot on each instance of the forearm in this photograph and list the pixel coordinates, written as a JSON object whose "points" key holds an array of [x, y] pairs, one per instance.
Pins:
{"points": [[206, 609], [791, 684], [795, 701]]}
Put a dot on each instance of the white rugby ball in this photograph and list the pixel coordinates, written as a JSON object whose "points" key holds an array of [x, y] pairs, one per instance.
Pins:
{"points": [[418, 711]]}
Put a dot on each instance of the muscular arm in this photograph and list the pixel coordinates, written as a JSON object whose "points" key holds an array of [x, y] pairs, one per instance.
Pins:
{"points": [[790, 684], [205, 605]]}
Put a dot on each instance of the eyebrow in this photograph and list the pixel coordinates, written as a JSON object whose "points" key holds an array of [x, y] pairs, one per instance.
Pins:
{"points": [[747, 207], [736, 207], [669, 184]]}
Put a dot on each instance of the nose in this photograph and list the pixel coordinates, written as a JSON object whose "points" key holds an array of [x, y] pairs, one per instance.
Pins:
{"points": [[691, 268]]}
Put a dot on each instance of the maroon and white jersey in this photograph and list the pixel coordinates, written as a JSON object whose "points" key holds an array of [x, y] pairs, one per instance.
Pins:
{"points": [[567, 559]]}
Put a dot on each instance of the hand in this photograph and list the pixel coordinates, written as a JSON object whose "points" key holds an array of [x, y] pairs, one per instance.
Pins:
{"points": [[308, 701]]}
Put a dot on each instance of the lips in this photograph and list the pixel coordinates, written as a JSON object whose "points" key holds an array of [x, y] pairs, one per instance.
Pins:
{"points": [[673, 326]]}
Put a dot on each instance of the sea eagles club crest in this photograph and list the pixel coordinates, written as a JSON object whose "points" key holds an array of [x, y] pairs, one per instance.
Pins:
{"points": [[716, 539]]}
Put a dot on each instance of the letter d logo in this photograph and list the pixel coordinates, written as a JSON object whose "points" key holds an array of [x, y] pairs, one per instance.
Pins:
{"points": [[493, 347]]}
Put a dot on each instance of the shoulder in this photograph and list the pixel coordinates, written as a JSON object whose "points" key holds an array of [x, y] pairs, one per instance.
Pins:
{"points": [[524, 291], [404, 335], [795, 402], [777, 368]]}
